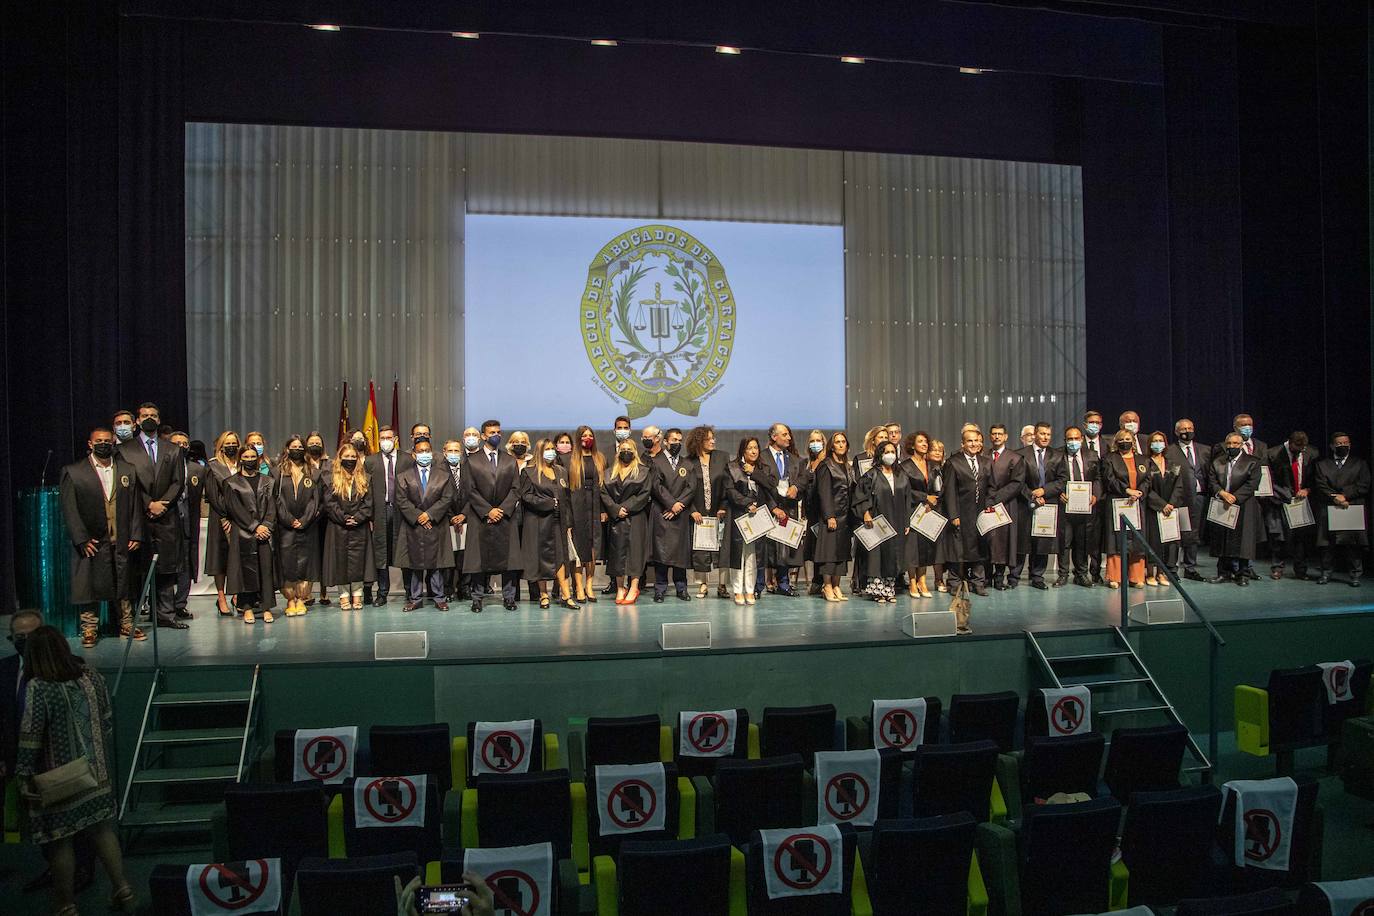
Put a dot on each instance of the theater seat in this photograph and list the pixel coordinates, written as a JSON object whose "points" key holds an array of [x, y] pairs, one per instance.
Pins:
{"points": [[649, 878], [263, 821], [1316, 901], [1145, 760], [1287, 714], [1260, 903], [984, 716], [949, 778], [852, 899], [1059, 863], [1335, 714], [347, 840], [1305, 848], [1070, 764], [167, 890], [1167, 843], [802, 730], [680, 818], [931, 860], [414, 749], [544, 754], [524, 808], [859, 729], [749, 795], [890, 778], [365, 884], [745, 746], [279, 764]]}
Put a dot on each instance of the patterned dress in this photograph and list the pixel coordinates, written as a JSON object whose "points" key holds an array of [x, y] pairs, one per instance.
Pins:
{"points": [[46, 740]]}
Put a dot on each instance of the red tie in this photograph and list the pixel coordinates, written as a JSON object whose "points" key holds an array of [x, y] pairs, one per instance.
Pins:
{"points": [[1297, 474]]}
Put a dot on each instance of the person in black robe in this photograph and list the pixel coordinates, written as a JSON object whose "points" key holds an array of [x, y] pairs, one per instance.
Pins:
{"points": [[455, 585], [1007, 479], [625, 496], [425, 496], [586, 470], [298, 502], [783, 472], [708, 468], [1341, 480], [103, 509], [161, 476], [493, 542], [1046, 474], [967, 485], [1079, 537], [746, 494], [384, 469], [863, 463], [1270, 528], [250, 517], [188, 516], [348, 558], [1234, 477], [817, 448], [1165, 491], [320, 466], [1123, 477], [1194, 457], [545, 532], [223, 463], [670, 517], [1291, 467], [885, 491], [920, 552], [833, 487]]}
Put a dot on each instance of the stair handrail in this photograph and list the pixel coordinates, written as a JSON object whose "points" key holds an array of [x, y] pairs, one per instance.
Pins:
{"points": [[143, 599], [1125, 534]]}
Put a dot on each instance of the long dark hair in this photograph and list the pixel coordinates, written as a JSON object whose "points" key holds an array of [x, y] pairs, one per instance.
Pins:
{"points": [[744, 445], [48, 657]]}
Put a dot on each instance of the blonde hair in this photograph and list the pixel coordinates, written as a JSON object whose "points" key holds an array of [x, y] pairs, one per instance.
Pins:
{"points": [[219, 447], [518, 434], [539, 463], [937, 445], [871, 437], [341, 480], [824, 453], [621, 470]]}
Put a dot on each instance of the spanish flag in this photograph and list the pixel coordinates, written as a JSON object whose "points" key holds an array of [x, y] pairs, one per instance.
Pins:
{"points": [[370, 419], [343, 418]]}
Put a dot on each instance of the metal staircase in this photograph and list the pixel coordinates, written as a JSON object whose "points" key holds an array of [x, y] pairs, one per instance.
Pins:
{"points": [[190, 746], [1124, 693]]}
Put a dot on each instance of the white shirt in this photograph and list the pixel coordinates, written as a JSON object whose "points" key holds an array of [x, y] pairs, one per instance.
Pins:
{"points": [[106, 475]]}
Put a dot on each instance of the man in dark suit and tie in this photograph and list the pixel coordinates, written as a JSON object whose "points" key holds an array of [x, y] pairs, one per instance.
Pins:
{"points": [[1271, 531], [1291, 468], [162, 476], [1007, 482], [188, 511], [425, 495], [967, 475], [1194, 457], [493, 541], [1045, 477], [1079, 532], [1342, 481], [782, 473], [383, 470], [1099, 446]]}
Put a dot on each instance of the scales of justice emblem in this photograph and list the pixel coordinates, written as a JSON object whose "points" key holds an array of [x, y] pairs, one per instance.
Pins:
{"points": [[665, 350]]}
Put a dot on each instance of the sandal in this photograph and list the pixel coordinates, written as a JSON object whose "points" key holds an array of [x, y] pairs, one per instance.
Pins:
{"points": [[701, 592], [248, 616], [544, 602], [122, 899], [267, 617], [570, 604]]}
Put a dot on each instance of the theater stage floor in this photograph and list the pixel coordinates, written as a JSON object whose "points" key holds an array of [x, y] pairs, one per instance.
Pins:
{"points": [[603, 630]]}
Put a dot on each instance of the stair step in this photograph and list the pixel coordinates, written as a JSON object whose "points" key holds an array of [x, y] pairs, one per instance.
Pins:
{"points": [[1128, 710], [169, 815], [207, 698], [1197, 769], [1088, 657], [193, 735], [1118, 682], [163, 775]]}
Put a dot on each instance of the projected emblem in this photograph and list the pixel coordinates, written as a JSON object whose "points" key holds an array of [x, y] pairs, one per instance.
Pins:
{"points": [[658, 320]]}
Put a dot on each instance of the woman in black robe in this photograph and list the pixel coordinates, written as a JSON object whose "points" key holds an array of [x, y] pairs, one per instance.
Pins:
{"points": [[625, 497], [920, 552], [1123, 477], [746, 492], [250, 517], [348, 558], [318, 460], [223, 464], [298, 531], [707, 466], [946, 548], [586, 470], [1163, 493], [884, 491], [864, 462], [563, 446], [544, 540], [817, 448], [834, 536]]}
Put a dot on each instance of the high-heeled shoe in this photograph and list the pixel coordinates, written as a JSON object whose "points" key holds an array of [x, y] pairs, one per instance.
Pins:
{"points": [[224, 609], [739, 599], [544, 602], [122, 900], [632, 595], [722, 592], [620, 595], [701, 592], [749, 598], [840, 595], [569, 604], [248, 616]]}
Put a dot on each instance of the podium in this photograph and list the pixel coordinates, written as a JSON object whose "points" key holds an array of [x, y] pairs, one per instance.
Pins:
{"points": [[44, 573]]}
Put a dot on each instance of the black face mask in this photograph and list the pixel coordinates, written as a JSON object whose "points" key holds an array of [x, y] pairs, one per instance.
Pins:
{"points": [[315, 451], [231, 451], [674, 448], [1341, 451], [19, 641], [348, 464], [250, 470], [360, 444], [296, 454], [1123, 447], [625, 457], [647, 443], [1186, 436], [1232, 451], [148, 425], [103, 449], [519, 449]]}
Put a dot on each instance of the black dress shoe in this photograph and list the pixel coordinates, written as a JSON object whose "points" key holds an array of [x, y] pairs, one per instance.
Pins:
{"points": [[183, 614], [1084, 581], [1012, 583], [173, 624], [610, 588], [1323, 579], [410, 606], [1194, 576], [658, 599], [379, 601], [509, 604], [1061, 581], [1354, 583], [980, 591], [683, 596], [1242, 581], [1249, 573], [999, 585], [476, 605], [1218, 579], [1039, 583], [787, 591]]}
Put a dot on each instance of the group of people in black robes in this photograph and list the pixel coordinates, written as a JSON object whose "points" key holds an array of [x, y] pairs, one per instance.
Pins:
{"points": [[456, 518]]}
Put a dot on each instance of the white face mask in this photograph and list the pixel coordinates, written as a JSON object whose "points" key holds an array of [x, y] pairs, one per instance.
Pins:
{"points": [[889, 459], [470, 443], [1131, 427], [388, 445], [124, 431], [550, 455], [621, 435]]}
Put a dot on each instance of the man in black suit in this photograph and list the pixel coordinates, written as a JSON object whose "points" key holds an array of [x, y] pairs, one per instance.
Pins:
{"points": [[1045, 477], [102, 504], [425, 496], [1130, 421], [1233, 476], [1341, 480], [1291, 469], [1100, 446], [188, 513], [670, 521], [1007, 481], [1270, 530], [780, 463], [967, 476], [1194, 457], [1079, 533], [162, 476], [493, 540], [383, 470]]}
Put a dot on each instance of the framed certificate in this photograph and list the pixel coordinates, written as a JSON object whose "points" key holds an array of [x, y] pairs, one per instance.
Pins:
{"points": [[458, 537], [789, 533], [1128, 509], [992, 518], [1080, 497], [1169, 529], [1350, 518], [1299, 513], [706, 535], [928, 523], [1045, 522], [881, 531], [1218, 513]]}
